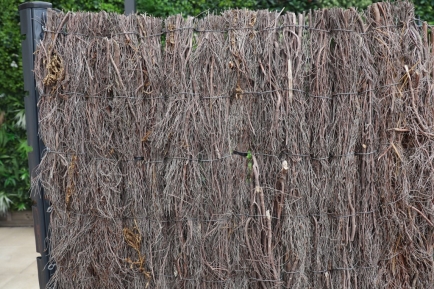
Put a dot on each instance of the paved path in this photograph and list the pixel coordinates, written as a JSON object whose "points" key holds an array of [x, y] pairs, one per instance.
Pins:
{"points": [[18, 259]]}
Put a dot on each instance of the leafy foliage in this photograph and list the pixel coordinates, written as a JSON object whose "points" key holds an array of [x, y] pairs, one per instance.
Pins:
{"points": [[293, 6], [92, 5], [360, 4], [14, 175], [165, 8], [424, 9]]}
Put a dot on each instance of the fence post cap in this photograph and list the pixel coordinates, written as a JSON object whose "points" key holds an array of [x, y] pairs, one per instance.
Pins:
{"points": [[35, 4]]}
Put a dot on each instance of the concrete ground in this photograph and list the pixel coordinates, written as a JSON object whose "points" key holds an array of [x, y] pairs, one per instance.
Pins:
{"points": [[18, 258]]}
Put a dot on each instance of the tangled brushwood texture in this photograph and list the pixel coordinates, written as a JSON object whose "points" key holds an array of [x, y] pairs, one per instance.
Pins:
{"points": [[251, 149]]}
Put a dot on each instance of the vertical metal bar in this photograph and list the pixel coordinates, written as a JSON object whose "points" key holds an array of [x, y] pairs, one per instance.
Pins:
{"points": [[130, 7], [32, 17]]}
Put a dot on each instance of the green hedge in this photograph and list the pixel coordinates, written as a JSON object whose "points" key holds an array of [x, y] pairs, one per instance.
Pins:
{"points": [[14, 176]]}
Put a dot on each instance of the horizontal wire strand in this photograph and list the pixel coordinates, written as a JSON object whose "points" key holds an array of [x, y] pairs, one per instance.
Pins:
{"points": [[142, 159], [224, 96], [194, 29], [229, 217]]}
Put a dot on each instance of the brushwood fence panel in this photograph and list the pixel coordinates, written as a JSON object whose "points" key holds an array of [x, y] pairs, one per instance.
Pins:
{"points": [[251, 149]]}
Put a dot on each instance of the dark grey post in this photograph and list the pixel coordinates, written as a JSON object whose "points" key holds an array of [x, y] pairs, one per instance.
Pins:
{"points": [[32, 17], [130, 7]]}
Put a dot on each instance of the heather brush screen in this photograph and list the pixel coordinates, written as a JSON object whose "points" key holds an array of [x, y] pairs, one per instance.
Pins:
{"points": [[251, 149]]}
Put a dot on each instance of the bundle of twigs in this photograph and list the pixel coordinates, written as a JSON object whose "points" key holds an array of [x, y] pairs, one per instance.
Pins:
{"points": [[251, 149]]}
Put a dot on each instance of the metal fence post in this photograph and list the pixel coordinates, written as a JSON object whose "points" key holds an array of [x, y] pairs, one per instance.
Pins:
{"points": [[32, 18], [130, 7]]}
